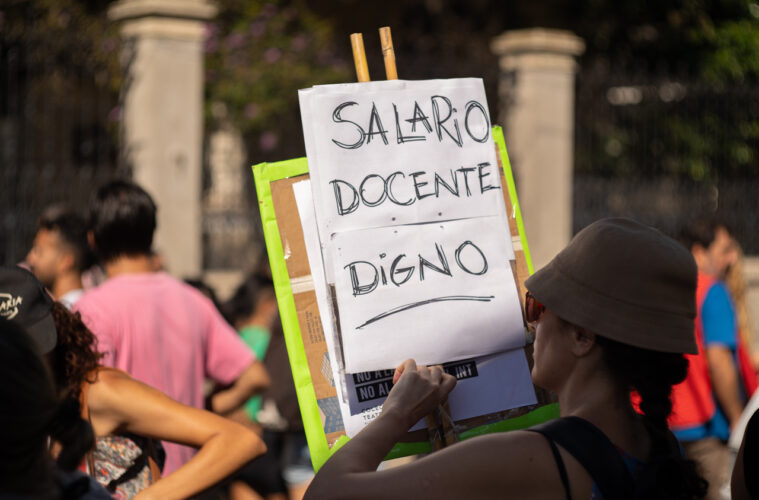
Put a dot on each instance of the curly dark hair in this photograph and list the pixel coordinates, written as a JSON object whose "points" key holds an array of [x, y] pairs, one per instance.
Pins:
{"points": [[75, 356]]}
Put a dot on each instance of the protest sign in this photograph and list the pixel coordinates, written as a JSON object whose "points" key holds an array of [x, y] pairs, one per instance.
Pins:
{"points": [[480, 390], [411, 220], [326, 420]]}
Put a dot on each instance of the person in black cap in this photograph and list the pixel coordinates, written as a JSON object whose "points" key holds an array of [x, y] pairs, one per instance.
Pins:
{"points": [[120, 408], [24, 301]]}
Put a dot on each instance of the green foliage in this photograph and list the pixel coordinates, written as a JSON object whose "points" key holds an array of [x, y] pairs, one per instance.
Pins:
{"points": [[707, 130], [258, 54], [60, 39], [734, 54]]}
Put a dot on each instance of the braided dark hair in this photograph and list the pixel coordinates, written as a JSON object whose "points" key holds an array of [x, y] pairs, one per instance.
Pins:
{"points": [[668, 475]]}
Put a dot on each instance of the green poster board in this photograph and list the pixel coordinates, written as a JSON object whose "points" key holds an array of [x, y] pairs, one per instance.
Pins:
{"points": [[318, 413]]}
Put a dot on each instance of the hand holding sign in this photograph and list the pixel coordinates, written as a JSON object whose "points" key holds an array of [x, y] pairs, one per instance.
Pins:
{"points": [[417, 391]]}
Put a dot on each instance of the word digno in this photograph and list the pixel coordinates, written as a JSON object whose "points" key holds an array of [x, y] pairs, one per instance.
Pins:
{"points": [[444, 121], [468, 256]]}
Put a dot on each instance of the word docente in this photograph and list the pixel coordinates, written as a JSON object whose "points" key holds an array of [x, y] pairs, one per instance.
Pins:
{"points": [[349, 197]]}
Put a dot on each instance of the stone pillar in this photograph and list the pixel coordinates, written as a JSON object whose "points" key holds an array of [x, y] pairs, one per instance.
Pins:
{"points": [[163, 117], [536, 92]]}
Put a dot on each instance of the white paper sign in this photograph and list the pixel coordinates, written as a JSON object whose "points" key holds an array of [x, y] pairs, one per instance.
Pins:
{"points": [[399, 152], [485, 385], [411, 220], [435, 292]]}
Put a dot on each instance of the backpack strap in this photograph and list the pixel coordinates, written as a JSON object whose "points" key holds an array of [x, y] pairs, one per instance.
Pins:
{"points": [[133, 470], [595, 452], [146, 445], [560, 466]]}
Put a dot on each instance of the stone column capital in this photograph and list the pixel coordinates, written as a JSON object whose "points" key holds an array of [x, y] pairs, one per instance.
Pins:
{"points": [[537, 48], [199, 10], [177, 19], [559, 42]]}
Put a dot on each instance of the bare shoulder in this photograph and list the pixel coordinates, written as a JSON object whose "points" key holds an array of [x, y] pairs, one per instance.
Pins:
{"points": [[520, 463], [519, 442], [516, 464], [106, 374], [108, 380], [112, 389], [526, 453]]}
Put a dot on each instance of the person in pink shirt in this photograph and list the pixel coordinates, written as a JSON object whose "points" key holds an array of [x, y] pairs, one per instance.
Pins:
{"points": [[161, 331]]}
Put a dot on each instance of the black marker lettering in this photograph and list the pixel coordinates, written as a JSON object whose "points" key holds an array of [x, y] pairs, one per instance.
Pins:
{"points": [[439, 127], [341, 209], [399, 134], [453, 190], [413, 305], [391, 196], [394, 270], [465, 171], [444, 269], [463, 267], [484, 187], [469, 107], [359, 289], [382, 196], [418, 184], [375, 119], [338, 119], [419, 116]]}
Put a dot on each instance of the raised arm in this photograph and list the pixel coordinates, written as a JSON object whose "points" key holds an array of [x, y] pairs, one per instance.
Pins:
{"points": [[513, 465], [119, 403]]}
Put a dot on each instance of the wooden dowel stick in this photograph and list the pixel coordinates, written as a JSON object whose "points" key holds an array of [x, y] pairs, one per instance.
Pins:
{"points": [[388, 53], [359, 57]]}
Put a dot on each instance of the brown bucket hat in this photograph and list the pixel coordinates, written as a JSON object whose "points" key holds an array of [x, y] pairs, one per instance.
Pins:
{"points": [[620, 279]]}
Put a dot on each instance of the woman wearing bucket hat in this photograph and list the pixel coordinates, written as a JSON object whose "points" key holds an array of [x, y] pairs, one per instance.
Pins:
{"points": [[613, 314], [121, 410]]}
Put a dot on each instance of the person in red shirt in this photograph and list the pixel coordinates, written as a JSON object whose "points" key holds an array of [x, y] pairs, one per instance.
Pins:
{"points": [[720, 378]]}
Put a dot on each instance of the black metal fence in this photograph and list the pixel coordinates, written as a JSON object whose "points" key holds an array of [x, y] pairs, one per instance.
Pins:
{"points": [[664, 149], [58, 139]]}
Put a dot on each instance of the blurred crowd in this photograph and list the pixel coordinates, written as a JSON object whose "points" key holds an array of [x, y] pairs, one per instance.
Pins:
{"points": [[125, 375], [123, 381]]}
